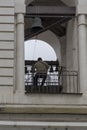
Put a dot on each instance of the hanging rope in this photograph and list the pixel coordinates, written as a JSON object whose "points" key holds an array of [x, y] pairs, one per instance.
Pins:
{"points": [[35, 45]]}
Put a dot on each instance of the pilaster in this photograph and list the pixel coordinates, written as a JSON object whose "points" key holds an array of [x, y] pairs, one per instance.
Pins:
{"points": [[82, 45], [19, 15]]}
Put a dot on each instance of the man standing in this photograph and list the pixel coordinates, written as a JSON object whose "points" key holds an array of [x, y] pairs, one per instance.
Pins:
{"points": [[41, 68]]}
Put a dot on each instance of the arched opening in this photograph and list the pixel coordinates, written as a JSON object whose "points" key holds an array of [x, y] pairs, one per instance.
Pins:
{"points": [[55, 28], [38, 48]]}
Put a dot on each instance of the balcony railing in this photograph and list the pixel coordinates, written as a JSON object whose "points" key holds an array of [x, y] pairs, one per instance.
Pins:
{"points": [[59, 81]]}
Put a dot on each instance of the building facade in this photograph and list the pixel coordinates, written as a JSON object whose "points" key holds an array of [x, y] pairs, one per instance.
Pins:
{"points": [[63, 111]]}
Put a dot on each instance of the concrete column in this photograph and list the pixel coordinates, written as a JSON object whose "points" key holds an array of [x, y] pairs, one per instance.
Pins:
{"points": [[82, 44], [20, 52]]}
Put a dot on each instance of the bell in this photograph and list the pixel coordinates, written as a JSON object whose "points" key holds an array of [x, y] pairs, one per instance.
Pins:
{"points": [[37, 25]]}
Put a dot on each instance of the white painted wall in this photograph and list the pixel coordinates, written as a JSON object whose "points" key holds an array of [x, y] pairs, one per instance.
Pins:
{"points": [[32, 125], [6, 50], [82, 2]]}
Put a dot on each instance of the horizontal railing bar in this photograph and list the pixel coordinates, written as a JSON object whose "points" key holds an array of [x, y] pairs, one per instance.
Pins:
{"points": [[61, 81]]}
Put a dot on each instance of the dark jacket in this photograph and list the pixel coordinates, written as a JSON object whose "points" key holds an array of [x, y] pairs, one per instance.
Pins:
{"points": [[41, 67]]}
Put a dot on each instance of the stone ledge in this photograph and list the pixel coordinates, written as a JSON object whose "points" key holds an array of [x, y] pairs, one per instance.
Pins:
{"points": [[43, 109]]}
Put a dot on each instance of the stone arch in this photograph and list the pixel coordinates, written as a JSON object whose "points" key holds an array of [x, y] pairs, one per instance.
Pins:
{"points": [[53, 41], [28, 1], [70, 2]]}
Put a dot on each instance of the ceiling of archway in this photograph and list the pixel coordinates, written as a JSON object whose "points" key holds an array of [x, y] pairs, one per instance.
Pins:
{"points": [[48, 2], [45, 2], [53, 13]]}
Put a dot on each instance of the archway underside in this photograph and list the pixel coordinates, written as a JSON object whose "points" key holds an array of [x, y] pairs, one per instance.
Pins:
{"points": [[54, 16]]}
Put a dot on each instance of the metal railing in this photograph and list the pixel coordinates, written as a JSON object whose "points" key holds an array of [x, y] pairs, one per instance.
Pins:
{"points": [[61, 81]]}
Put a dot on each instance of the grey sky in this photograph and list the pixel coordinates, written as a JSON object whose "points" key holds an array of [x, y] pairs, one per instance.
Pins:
{"points": [[38, 48]]}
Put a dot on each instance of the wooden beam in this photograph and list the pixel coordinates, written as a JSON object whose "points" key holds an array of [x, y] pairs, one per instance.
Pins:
{"points": [[47, 11], [32, 62], [59, 22]]}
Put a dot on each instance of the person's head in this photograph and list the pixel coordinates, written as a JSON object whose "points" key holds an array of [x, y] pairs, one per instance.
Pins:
{"points": [[39, 59]]}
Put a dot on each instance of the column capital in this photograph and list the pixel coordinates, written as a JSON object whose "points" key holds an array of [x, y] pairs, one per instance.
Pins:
{"points": [[20, 8], [82, 19], [81, 9], [20, 18]]}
